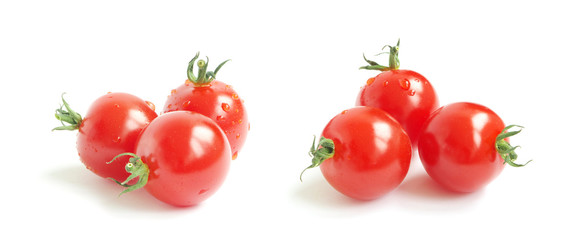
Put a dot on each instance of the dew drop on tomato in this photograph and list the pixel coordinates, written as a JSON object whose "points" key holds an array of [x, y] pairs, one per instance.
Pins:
{"points": [[117, 140], [235, 96], [404, 83], [411, 93], [186, 104], [237, 136], [234, 156], [225, 107], [370, 81], [151, 105], [220, 118], [385, 83], [173, 91]]}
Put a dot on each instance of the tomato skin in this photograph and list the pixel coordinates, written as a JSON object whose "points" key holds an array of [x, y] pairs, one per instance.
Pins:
{"points": [[110, 127], [217, 101], [188, 156], [457, 146], [372, 153], [405, 94]]}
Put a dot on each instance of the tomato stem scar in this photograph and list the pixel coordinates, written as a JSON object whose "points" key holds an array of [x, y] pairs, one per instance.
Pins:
{"points": [[204, 77], [67, 115], [136, 168], [325, 150], [393, 59], [505, 149]]}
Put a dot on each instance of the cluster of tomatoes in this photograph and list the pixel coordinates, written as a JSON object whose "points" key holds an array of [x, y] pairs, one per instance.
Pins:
{"points": [[365, 152], [182, 156]]}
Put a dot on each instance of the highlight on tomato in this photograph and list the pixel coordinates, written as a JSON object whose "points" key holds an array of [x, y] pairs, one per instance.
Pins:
{"points": [[110, 127], [464, 146], [363, 153], [217, 100], [181, 158], [405, 94]]}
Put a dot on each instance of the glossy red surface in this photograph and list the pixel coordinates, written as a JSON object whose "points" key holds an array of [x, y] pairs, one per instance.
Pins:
{"points": [[457, 147], [372, 153]]}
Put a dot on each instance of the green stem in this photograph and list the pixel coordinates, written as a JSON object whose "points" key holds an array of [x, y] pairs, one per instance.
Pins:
{"points": [[204, 77], [325, 150], [506, 151], [393, 60], [136, 168], [67, 115]]}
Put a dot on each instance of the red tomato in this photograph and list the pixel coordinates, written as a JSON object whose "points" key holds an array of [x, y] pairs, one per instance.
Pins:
{"points": [[405, 94], [110, 127], [215, 100], [458, 146], [364, 153], [182, 158]]}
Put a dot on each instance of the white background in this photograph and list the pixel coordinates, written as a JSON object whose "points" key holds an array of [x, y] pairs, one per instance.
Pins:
{"points": [[296, 65]]}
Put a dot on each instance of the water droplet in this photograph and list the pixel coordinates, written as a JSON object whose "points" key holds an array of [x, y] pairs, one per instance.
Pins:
{"points": [[117, 140], [240, 121], [173, 91], [232, 122], [150, 105], [412, 93], [186, 104], [225, 107], [344, 112], [234, 156], [117, 106], [416, 80], [228, 86], [370, 81], [237, 136], [235, 96], [203, 191], [385, 83], [169, 106], [404, 83], [220, 118], [188, 82]]}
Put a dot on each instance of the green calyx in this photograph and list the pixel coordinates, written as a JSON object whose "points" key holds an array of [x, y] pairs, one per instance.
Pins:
{"points": [[67, 115], [393, 59], [204, 77], [323, 151], [505, 149], [136, 168]]}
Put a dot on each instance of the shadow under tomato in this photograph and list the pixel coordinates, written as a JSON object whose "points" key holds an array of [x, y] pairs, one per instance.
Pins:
{"points": [[422, 192], [316, 192], [106, 192]]}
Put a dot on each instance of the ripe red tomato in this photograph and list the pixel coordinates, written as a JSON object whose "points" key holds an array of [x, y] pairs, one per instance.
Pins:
{"points": [[110, 127], [363, 153], [213, 99], [405, 94], [463, 146], [181, 158]]}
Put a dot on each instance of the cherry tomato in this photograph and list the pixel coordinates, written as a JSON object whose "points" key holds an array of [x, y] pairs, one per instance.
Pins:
{"points": [[213, 99], [363, 153], [110, 127], [181, 158], [463, 146], [406, 95]]}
